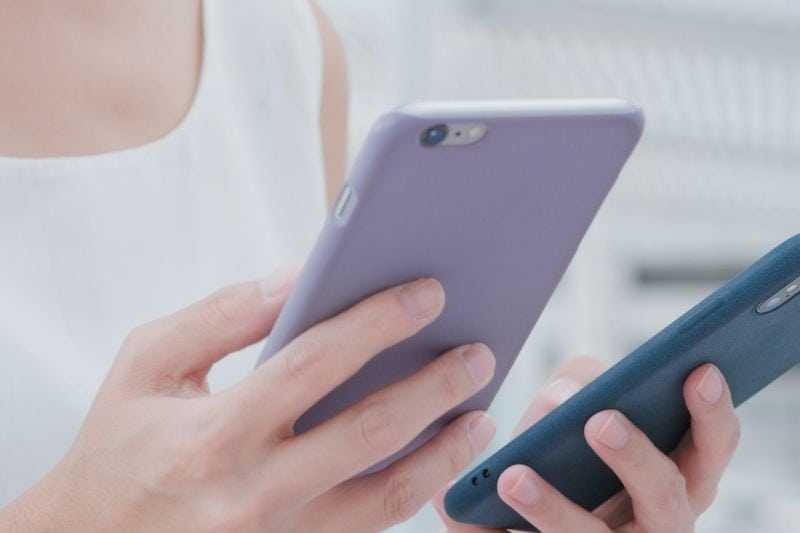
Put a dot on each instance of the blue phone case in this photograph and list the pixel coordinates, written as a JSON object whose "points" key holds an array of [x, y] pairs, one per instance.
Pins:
{"points": [[750, 349]]}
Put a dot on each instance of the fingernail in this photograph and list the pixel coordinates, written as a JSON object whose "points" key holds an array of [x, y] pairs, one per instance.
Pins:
{"points": [[560, 390], [480, 431], [710, 387], [422, 298], [479, 361], [278, 281], [613, 433], [526, 490]]}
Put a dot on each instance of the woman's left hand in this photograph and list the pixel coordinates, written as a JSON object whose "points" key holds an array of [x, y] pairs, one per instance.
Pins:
{"points": [[663, 493]]}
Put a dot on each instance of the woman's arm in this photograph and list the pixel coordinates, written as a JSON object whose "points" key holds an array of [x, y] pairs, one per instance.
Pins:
{"points": [[333, 108]]}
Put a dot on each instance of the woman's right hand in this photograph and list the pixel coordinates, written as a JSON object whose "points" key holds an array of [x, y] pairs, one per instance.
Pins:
{"points": [[159, 452], [663, 492]]}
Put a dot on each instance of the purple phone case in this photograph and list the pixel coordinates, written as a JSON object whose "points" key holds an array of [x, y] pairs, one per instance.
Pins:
{"points": [[496, 222]]}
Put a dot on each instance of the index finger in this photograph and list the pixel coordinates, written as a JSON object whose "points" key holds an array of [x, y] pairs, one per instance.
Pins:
{"points": [[574, 374], [185, 344], [324, 356]]}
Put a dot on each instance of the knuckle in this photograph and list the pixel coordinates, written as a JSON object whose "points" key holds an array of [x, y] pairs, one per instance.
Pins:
{"points": [[734, 437], [203, 458], [218, 517], [217, 311], [274, 496], [302, 357], [172, 469], [139, 339], [376, 428], [139, 355], [639, 456], [401, 500], [548, 403], [227, 307], [388, 316], [672, 492], [380, 323], [454, 383], [705, 500], [456, 457]]}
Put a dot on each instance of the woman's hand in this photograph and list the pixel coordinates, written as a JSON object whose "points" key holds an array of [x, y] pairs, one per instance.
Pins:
{"points": [[662, 493], [158, 452]]}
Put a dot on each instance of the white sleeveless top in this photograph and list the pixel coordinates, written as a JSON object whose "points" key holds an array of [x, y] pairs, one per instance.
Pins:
{"points": [[92, 246]]}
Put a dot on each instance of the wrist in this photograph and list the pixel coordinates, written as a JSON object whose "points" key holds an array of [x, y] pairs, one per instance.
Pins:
{"points": [[34, 510], [52, 504]]}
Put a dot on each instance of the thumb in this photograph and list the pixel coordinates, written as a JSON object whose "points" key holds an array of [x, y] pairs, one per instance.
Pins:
{"points": [[574, 374], [184, 345]]}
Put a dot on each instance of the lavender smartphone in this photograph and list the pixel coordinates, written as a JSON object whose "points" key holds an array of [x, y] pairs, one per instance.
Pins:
{"points": [[490, 198]]}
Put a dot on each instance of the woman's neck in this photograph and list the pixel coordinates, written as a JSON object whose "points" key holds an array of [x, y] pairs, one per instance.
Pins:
{"points": [[90, 76]]}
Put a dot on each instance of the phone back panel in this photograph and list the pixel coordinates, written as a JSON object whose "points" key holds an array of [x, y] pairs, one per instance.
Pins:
{"points": [[496, 222], [750, 349]]}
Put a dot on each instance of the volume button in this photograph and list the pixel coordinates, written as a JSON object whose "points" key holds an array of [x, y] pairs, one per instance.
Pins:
{"points": [[699, 316], [347, 200]]}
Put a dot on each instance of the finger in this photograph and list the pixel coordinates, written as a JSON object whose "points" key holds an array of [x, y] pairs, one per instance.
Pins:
{"points": [[656, 486], [385, 421], [314, 363], [707, 449], [542, 505], [450, 525], [394, 495], [616, 511], [574, 374], [187, 343]]}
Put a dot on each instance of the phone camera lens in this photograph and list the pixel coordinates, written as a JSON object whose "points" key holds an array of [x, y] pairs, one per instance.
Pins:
{"points": [[774, 301], [434, 135]]}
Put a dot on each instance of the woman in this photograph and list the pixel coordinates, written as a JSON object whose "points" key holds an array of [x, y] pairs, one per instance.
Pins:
{"points": [[153, 150]]}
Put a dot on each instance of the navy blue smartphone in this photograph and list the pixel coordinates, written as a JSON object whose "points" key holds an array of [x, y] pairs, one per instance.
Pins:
{"points": [[748, 329]]}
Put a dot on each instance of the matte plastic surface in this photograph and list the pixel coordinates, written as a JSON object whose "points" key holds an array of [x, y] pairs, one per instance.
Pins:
{"points": [[751, 350], [496, 223]]}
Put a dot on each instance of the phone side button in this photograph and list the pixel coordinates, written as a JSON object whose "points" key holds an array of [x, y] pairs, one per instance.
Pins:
{"points": [[347, 200], [699, 316]]}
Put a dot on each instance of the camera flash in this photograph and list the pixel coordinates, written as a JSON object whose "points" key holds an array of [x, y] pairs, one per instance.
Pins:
{"points": [[777, 300], [476, 132]]}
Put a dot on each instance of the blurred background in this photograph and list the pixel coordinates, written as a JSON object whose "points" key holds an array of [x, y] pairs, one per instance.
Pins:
{"points": [[713, 185]]}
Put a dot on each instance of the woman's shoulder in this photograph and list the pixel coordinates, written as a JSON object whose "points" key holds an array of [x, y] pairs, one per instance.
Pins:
{"points": [[284, 51]]}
